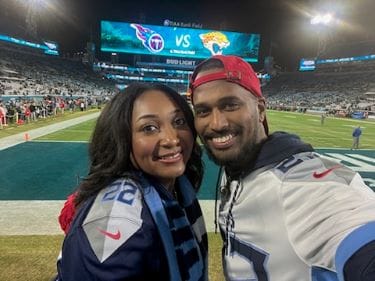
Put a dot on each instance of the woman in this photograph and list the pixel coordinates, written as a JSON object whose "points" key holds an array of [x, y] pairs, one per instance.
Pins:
{"points": [[137, 214]]}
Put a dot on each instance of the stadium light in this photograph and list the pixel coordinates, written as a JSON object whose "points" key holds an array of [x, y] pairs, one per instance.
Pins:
{"points": [[322, 19], [321, 23], [36, 4]]}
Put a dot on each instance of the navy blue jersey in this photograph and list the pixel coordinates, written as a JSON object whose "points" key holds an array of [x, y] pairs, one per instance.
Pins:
{"points": [[114, 236]]}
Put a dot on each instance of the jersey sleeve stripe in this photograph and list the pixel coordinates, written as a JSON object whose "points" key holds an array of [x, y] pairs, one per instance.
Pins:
{"points": [[352, 243]]}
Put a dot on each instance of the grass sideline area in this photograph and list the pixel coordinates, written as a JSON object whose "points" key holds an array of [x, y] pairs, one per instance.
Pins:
{"points": [[334, 133], [33, 258], [13, 129]]}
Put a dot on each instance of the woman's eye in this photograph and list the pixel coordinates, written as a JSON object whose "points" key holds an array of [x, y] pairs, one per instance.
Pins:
{"points": [[149, 128], [180, 121]]}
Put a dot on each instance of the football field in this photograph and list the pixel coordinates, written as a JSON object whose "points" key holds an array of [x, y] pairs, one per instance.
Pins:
{"points": [[42, 172], [334, 133], [36, 176], [48, 168]]}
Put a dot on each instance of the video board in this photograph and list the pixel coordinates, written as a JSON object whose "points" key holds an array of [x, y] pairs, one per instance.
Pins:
{"points": [[348, 59], [47, 47], [311, 64], [307, 65], [133, 38]]}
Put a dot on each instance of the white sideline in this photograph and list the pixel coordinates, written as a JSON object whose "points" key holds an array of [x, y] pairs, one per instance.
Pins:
{"points": [[39, 217], [13, 140]]}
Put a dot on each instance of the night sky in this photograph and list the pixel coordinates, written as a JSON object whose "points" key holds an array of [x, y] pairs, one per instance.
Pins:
{"points": [[285, 23]]}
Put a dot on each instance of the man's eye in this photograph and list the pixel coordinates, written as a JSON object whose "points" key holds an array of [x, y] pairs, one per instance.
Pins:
{"points": [[201, 112], [231, 106]]}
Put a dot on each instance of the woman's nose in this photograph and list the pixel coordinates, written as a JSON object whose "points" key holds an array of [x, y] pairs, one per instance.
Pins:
{"points": [[170, 137]]}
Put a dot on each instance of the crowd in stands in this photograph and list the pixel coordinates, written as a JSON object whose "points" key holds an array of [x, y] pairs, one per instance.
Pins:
{"points": [[339, 92], [38, 86], [24, 72], [23, 110], [34, 86]]}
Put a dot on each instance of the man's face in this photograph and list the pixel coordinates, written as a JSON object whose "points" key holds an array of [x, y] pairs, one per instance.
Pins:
{"points": [[228, 119]]}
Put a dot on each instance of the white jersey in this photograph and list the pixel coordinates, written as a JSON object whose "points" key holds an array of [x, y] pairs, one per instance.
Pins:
{"points": [[294, 221]]}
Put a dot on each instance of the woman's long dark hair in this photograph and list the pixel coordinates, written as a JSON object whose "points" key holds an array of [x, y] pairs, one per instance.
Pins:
{"points": [[111, 141]]}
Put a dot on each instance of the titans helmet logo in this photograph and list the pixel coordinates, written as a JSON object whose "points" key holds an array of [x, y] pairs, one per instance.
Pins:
{"points": [[151, 40]]}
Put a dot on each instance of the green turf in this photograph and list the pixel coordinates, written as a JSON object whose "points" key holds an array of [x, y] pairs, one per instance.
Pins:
{"points": [[80, 132], [42, 171], [13, 129], [33, 258], [55, 168], [335, 133]]}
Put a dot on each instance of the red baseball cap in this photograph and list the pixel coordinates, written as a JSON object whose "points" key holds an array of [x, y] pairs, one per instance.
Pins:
{"points": [[235, 70]]}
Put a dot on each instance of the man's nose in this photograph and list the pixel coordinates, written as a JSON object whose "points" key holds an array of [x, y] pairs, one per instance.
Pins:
{"points": [[218, 120]]}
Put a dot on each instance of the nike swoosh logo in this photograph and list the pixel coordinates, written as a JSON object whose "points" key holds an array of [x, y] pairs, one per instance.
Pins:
{"points": [[326, 172], [115, 236]]}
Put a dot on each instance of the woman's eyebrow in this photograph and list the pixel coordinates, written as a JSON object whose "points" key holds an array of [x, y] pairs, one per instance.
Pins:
{"points": [[153, 116]]}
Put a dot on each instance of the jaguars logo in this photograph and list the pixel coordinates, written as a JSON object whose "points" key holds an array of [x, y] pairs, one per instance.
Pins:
{"points": [[215, 42]]}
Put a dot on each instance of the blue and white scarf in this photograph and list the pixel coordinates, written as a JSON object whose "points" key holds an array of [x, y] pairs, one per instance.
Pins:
{"points": [[182, 229]]}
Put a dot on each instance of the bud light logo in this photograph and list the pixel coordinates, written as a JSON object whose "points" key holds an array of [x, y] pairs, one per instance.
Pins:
{"points": [[149, 38]]}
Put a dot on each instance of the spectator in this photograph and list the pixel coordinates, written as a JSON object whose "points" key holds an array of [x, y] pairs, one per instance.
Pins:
{"points": [[3, 115], [357, 132], [322, 118]]}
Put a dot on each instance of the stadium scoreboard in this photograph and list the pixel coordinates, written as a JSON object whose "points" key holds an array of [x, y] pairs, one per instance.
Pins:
{"points": [[134, 38], [47, 47]]}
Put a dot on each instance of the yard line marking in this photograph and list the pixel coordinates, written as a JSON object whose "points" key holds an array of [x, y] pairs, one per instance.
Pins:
{"points": [[47, 140], [353, 126], [362, 157], [356, 165]]}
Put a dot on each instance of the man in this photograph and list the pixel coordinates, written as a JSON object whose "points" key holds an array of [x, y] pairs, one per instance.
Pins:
{"points": [[286, 213], [322, 118], [357, 132]]}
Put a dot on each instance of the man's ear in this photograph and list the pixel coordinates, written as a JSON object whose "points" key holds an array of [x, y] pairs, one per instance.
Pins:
{"points": [[262, 109]]}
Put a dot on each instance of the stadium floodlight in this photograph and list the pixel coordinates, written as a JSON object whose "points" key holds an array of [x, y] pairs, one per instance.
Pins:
{"points": [[322, 23], [322, 19]]}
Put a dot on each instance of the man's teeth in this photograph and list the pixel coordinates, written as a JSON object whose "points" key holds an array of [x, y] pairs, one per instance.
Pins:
{"points": [[223, 139]]}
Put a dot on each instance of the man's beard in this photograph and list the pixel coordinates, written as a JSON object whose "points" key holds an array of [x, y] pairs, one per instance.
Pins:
{"points": [[242, 162]]}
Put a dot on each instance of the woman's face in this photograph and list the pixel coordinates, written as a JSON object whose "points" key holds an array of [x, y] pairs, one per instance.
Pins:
{"points": [[162, 141]]}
